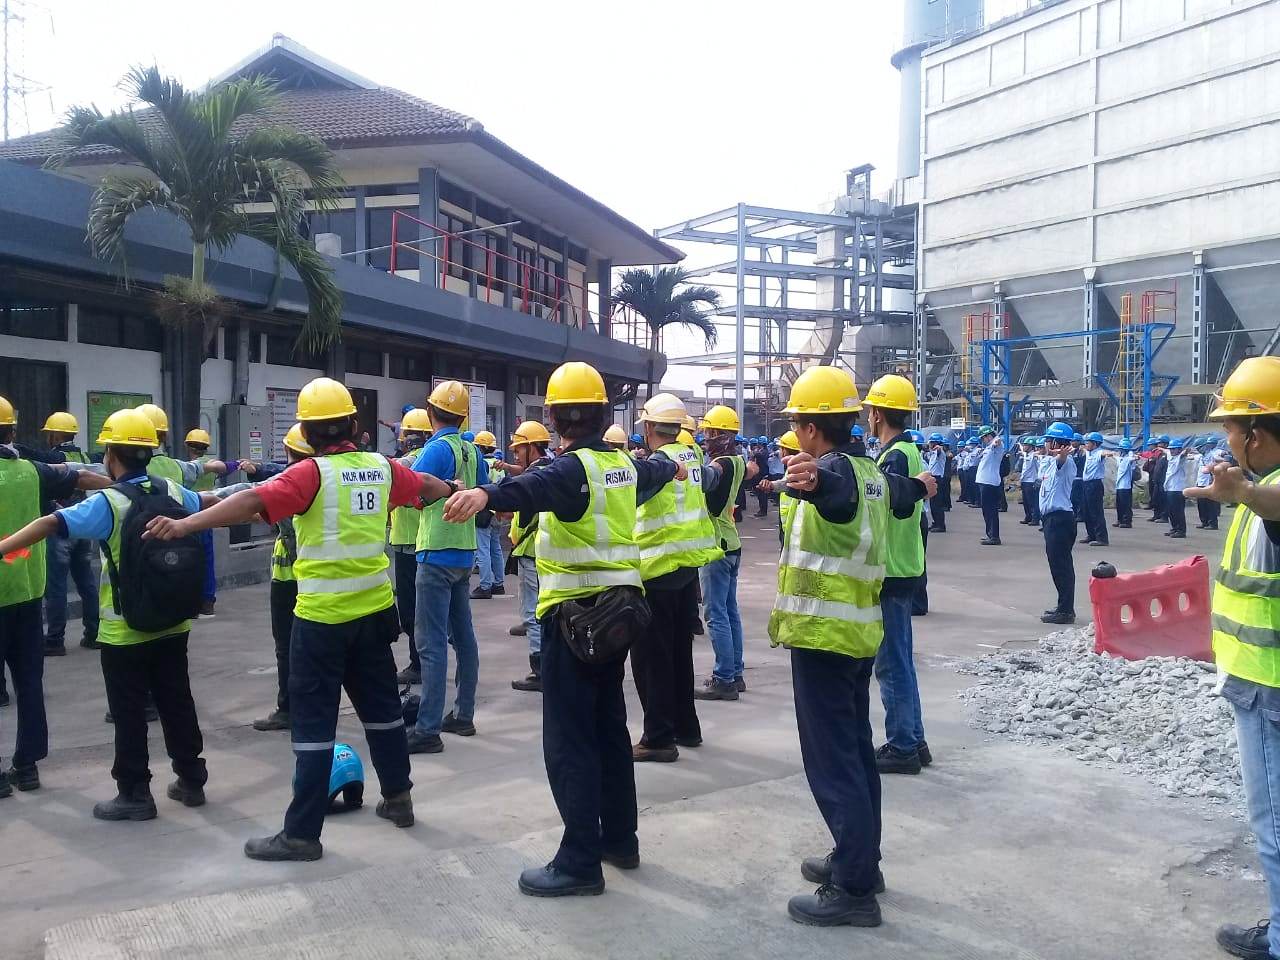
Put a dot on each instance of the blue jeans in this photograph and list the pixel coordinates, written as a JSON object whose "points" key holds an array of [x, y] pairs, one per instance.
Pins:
{"points": [[720, 594], [529, 603], [489, 555], [896, 674], [1258, 732], [63, 555], [444, 613]]}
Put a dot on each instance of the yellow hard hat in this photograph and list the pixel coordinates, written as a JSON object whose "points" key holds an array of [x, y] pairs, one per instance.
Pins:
{"points": [[61, 423], [789, 441], [1253, 389], [575, 382], [615, 434], [451, 397], [893, 392], [296, 441], [159, 419], [685, 437], [324, 399], [721, 418], [689, 423], [199, 436], [7, 417], [531, 431], [486, 439], [663, 408], [416, 420], [822, 390], [129, 428]]}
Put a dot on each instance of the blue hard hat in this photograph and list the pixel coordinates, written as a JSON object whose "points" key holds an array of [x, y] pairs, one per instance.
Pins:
{"points": [[740, 438], [1163, 438], [918, 437], [497, 455], [856, 431], [406, 408], [1177, 443], [469, 437], [1060, 431], [1037, 441], [936, 438], [1077, 437], [1095, 436], [346, 777], [700, 437], [1126, 444], [636, 438]]}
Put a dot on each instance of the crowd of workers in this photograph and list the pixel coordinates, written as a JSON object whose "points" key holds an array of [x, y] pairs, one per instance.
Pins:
{"points": [[622, 543]]}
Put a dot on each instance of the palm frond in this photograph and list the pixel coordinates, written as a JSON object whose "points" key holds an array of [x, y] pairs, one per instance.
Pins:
{"points": [[191, 144], [662, 299], [88, 127], [117, 198], [220, 108], [301, 150], [323, 323]]}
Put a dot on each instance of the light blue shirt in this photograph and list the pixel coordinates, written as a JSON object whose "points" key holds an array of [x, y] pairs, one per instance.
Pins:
{"points": [[1204, 476], [1055, 484], [437, 459], [1125, 463], [937, 461], [989, 465], [1095, 465], [93, 518], [1176, 478], [1030, 468], [775, 464]]}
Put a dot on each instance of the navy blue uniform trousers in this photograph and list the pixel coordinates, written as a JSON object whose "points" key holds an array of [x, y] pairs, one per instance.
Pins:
{"points": [[832, 697], [989, 495], [324, 659], [22, 651], [1059, 528]]}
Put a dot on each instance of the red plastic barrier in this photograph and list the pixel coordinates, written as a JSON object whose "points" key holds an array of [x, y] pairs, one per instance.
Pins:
{"points": [[1156, 613]]}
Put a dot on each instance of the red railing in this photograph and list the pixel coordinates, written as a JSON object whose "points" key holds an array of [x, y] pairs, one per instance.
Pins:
{"points": [[530, 287]]}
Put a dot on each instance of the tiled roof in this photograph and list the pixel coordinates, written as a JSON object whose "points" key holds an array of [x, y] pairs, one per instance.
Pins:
{"points": [[340, 118]]}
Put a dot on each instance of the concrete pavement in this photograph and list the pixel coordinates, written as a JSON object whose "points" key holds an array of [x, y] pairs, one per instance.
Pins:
{"points": [[999, 849]]}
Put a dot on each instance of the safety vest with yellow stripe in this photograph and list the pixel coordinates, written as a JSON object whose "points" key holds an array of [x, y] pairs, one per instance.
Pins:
{"points": [[1246, 599], [206, 481], [830, 574], [906, 547], [406, 520], [598, 551], [165, 468], [281, 559], [725, 529], [342, 560], [22, 577], [673, 528], [113, 629], [524, 536], [434, 533]]}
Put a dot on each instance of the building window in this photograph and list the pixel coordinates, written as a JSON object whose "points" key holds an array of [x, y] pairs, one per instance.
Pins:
{"points": [[38, 319], [283, 351], [380, 237], [408, 366], [341, 222], [35, 388], [457, 249], [105, 328], [367, 362]]}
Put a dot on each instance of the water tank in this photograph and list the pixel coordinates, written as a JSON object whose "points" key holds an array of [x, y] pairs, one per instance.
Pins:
{"points": [[925, 22]]}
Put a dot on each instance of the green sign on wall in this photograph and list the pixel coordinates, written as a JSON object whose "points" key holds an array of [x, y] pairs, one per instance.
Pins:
{"points": [[102, 404]]}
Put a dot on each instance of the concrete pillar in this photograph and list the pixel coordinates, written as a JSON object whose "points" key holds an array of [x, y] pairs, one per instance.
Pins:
{"points": [[740, 323], [604, 283], [428, 212], [1199, 323], [240, 368], [362, 227], [508, 249]]}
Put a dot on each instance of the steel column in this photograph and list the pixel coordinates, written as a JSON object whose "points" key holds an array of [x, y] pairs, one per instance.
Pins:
{"points": [[1199, 324], [739, 317]]}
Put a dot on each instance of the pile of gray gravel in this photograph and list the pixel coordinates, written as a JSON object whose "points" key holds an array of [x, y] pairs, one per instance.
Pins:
{"points": [[1157, 717]]}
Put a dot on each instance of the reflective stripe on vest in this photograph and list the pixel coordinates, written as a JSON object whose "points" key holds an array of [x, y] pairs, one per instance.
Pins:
{"points": [[1246, 599], [597, 551], [829, 575], [22, 579], [113, 630], [673, 528], [406, 520], [906, 548], [433, 532], [281, 565], [342, 563], [726, 530]]}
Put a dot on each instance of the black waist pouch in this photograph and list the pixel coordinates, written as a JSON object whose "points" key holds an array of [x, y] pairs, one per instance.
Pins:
{"points": [[604, 631]]}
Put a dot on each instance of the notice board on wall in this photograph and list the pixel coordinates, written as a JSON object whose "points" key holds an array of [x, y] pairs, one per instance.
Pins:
{"points": [[102, 404]]}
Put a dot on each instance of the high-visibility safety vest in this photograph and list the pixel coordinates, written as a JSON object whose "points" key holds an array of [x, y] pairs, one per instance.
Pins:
{"points": [[206, 481], [165, 468], [74, 456], [113, 630], [496, 471], [523, 539], [726, 530], [281, 562], [673, 528], [830, 574], [406, 520], [1246, 599], [906, 547], [22, 579], [342, 558], [598, 551], [433, 532]]}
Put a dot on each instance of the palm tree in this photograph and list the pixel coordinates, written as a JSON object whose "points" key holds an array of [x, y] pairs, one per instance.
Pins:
{"points": [[664, 297], [203, 156]]}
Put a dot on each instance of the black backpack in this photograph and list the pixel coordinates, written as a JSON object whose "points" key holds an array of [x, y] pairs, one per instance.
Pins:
{"points": [[155, 584]]}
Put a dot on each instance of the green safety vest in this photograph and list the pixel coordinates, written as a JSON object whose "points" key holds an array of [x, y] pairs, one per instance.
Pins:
{"points": [[598, 551], [523, 539], [165, 468], [342, 559], [830, 574], [206, 481], [23, 579], [673, 528], [113, 629], [906, 548], [496, 472], [726, 530], [1246, 599], [281, 562], [73, 456], [406, 520], [433, 532]]}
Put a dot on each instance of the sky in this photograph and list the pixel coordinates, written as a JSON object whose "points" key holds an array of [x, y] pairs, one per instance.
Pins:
{"points": [[662, 110]]}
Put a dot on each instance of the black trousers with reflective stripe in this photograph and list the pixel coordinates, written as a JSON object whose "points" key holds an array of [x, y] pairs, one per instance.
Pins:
{"points": [[325, 659]]}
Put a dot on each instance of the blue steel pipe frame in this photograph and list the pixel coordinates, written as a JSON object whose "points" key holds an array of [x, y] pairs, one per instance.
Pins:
{"points": [[998, 392]]}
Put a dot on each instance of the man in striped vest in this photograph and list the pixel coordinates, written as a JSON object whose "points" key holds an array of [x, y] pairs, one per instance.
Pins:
{"points": [[1246, 617], [415, 430], [828, 614], [345, 619], [528, 452]]}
